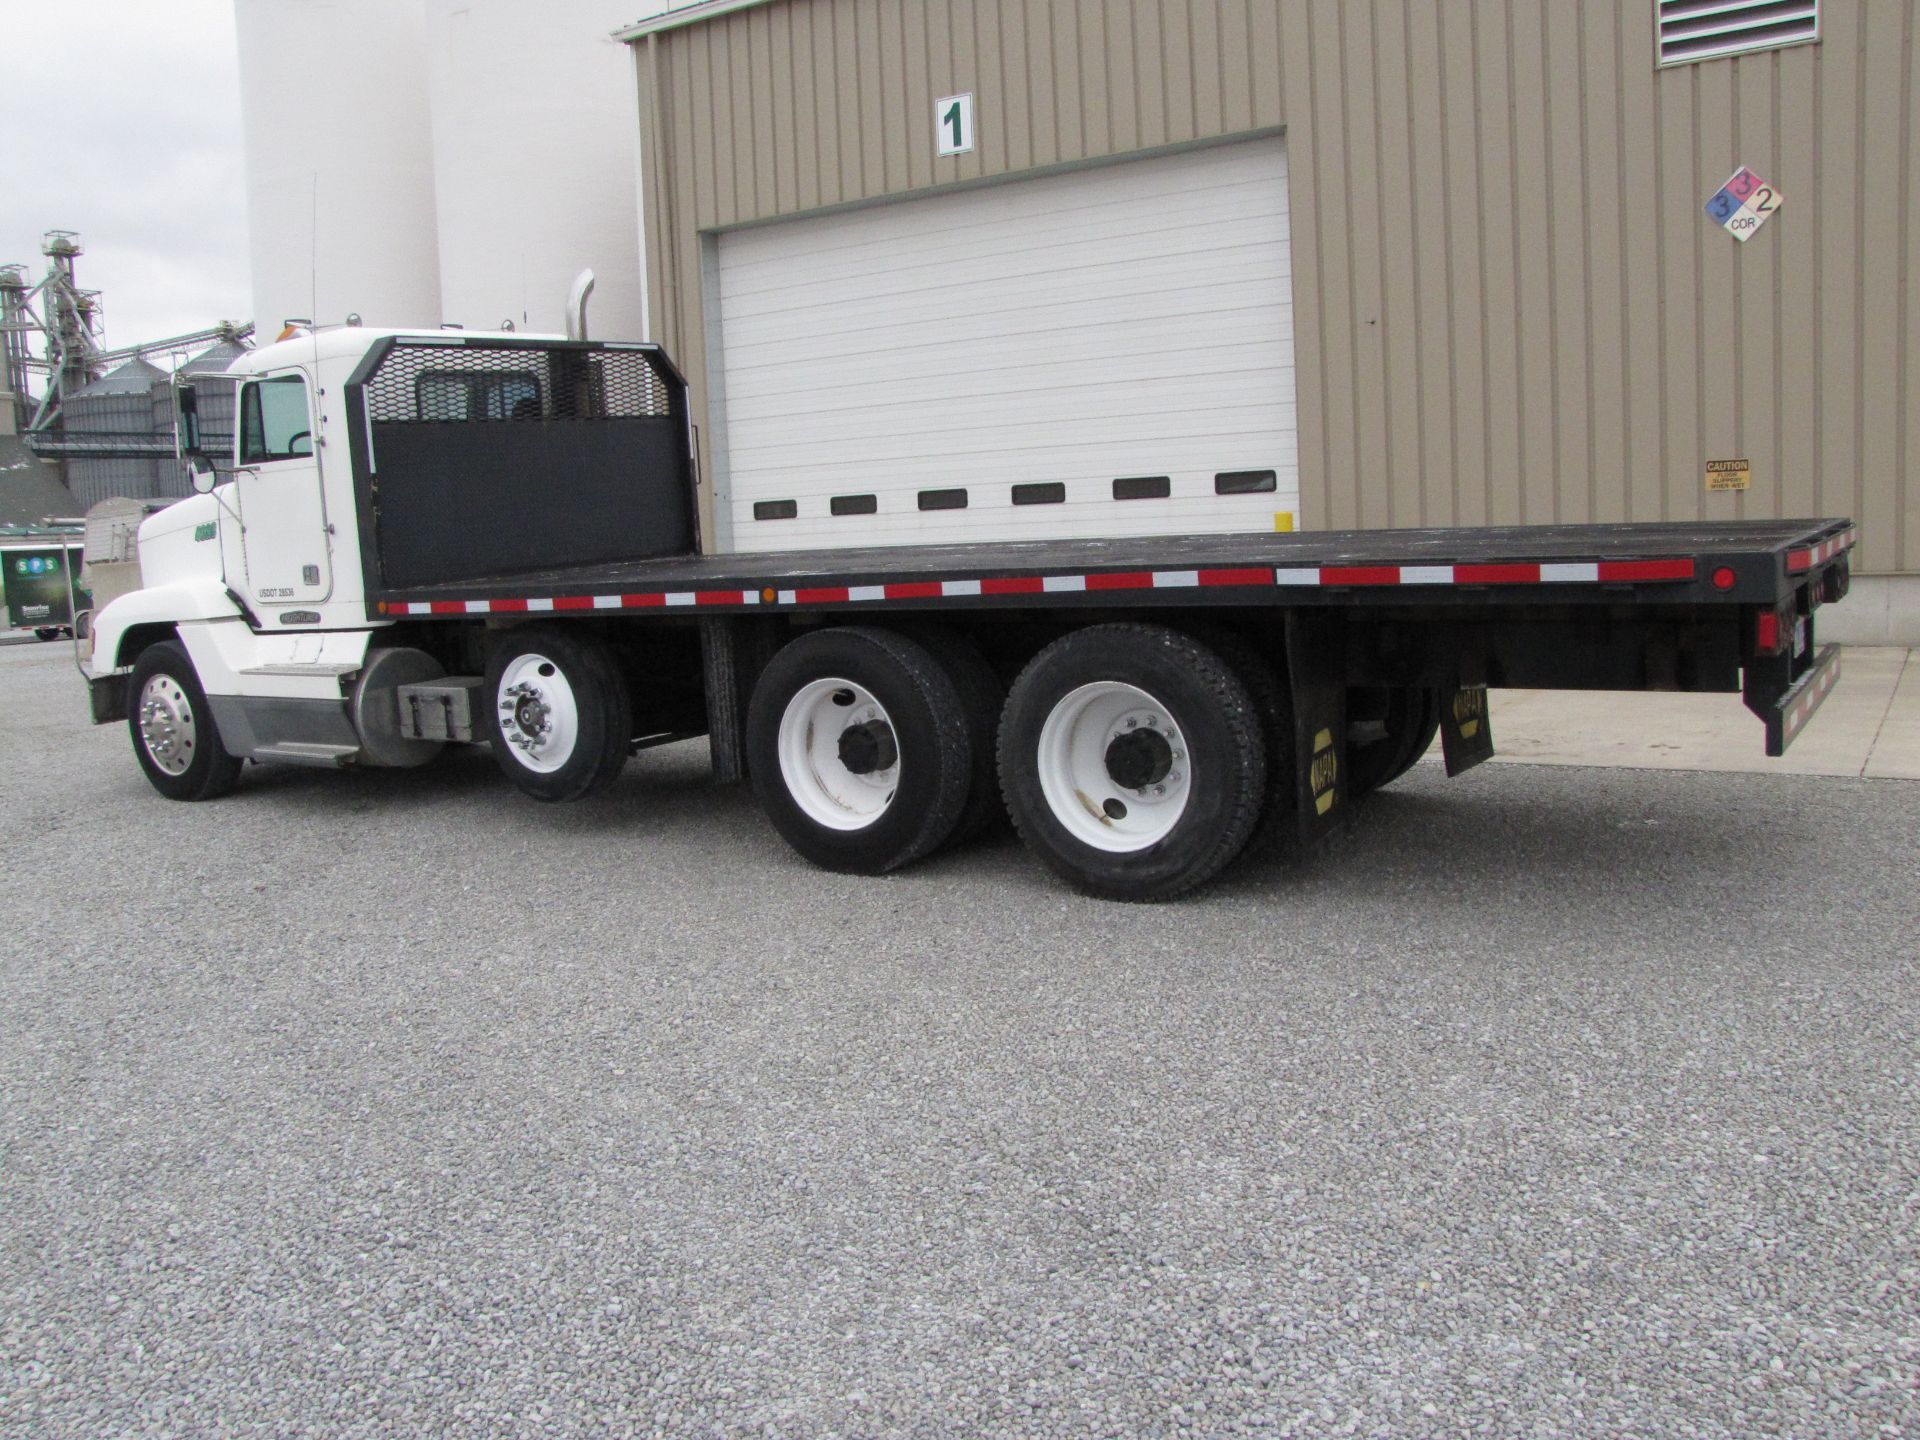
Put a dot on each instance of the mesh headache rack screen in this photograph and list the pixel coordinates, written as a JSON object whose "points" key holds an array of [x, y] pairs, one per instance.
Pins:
{"points": [[468, 381]]}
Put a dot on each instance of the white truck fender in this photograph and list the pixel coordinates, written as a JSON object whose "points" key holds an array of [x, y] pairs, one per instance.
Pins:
{"points": [[162, 605]]}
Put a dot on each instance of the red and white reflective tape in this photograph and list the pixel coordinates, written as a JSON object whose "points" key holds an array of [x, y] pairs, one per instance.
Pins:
{"points": [[1324, 576], [1023, 585], [1799, 560], [1587, 572], [1809, 701], [646, 600]]}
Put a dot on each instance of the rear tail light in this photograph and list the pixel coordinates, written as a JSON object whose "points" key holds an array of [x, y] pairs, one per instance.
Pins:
{"points": [[1773, 630]]}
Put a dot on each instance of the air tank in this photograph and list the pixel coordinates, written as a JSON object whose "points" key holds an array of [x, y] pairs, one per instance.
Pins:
{"points": [[339, 161], [535, 141]]}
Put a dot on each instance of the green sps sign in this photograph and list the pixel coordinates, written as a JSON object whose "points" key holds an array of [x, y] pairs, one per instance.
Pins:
{"points": [[37, 586]]}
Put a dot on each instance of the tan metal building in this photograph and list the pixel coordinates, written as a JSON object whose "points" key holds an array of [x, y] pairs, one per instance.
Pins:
{"points": [[1498, 295]]}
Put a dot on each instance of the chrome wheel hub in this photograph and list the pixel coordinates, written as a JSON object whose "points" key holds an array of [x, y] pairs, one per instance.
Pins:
{"points": [[167, 726], [532, 721], [539, 714]]}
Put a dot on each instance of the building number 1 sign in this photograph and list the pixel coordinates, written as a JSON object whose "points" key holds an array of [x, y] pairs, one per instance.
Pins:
{"points": [[1743, 204], [953, 125]]}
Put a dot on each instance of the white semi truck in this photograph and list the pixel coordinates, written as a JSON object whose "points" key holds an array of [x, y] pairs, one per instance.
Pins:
{"points": [[435, 538]]}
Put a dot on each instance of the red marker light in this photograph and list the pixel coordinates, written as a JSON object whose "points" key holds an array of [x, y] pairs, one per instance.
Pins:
{"points": [[1723, 578], [1766, 633]]}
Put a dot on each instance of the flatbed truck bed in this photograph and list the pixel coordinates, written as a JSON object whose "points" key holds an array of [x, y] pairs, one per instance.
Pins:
{"points": [[1729, 562]]}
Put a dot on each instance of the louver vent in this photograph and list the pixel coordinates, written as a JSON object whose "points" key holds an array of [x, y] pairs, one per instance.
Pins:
{"points": [[1703, 29]]}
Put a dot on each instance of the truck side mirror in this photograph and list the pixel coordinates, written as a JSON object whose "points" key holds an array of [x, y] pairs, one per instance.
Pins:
{"points": [[186, 429], [186, 439]]}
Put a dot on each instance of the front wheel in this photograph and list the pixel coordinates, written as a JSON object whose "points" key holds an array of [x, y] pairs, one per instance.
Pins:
{"points": [[559, 719], [172, 727], [1133, 761]]}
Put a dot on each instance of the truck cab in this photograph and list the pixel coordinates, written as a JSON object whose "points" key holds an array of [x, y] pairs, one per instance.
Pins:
{"points": [[365, 459], [271, 538]]}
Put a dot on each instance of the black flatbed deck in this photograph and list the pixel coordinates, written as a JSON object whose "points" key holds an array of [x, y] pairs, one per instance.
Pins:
{"points": [[1679, 561]]}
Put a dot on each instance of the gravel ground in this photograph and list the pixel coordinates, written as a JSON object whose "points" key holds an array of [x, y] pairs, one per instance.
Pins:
{"points": [[1547, 1102]]}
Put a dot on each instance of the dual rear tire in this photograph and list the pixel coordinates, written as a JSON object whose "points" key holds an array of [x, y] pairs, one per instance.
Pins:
{"points": [[865, 750], [1133, 759], [1387, 733]]}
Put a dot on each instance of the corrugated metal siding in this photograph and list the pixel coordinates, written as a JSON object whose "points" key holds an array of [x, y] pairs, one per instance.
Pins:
{"points": [[1510, 306]]}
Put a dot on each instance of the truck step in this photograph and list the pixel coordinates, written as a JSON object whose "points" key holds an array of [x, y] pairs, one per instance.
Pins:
{"points": [[329, 671], [307, 752]]}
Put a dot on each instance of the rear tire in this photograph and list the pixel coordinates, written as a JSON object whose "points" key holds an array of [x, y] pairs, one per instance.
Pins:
{"points": [[1273, 703], [172, 727], [1402, 723], [1133, 761], [982, 697], [558, 716], [859, 749]]}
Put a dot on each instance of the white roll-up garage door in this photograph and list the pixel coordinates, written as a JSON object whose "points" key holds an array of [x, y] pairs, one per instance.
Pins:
{"points": [[1099, 353]]}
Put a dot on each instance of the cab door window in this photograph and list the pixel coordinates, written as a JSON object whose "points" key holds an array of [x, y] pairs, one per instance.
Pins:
{"points": [[275, 423]]}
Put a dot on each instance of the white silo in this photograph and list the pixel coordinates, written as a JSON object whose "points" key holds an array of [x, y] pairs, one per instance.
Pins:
{"points": [[536, 139], [339, 161]]}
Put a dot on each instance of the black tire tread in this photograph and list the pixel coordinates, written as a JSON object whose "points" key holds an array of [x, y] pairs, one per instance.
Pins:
{"points": [[1274, 704], [1413, 717], [1421, 738], [214, 771], [1235, 707], [880, 848], [981, 696], [603, 754]]}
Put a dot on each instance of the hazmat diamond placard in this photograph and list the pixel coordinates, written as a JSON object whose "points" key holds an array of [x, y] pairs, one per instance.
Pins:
{"points": [[1742, 205]]}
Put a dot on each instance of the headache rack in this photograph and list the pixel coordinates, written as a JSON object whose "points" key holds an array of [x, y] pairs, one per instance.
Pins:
{"points": [[487, 457]]}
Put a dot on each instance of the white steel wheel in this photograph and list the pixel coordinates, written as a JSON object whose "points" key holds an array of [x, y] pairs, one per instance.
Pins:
{"points": [[1133, 760], [168, 730], [839, 756], [1114, 767], [859, 748], [539, 714], [560, 717]]}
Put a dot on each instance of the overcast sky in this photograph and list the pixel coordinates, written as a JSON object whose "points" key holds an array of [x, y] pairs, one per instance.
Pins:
{"points": [[123, 123]]}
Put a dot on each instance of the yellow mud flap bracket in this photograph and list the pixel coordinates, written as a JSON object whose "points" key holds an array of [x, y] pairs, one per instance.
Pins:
{"points": [[1466, 728]]}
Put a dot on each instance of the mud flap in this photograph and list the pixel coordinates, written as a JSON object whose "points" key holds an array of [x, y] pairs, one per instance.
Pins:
{"points": [[1466, 728], [1787, 716], [108, 695], [1319, 690]]}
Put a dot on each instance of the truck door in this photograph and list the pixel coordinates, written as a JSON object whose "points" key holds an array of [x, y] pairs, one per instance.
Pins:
{"points": [[282, 514]]}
